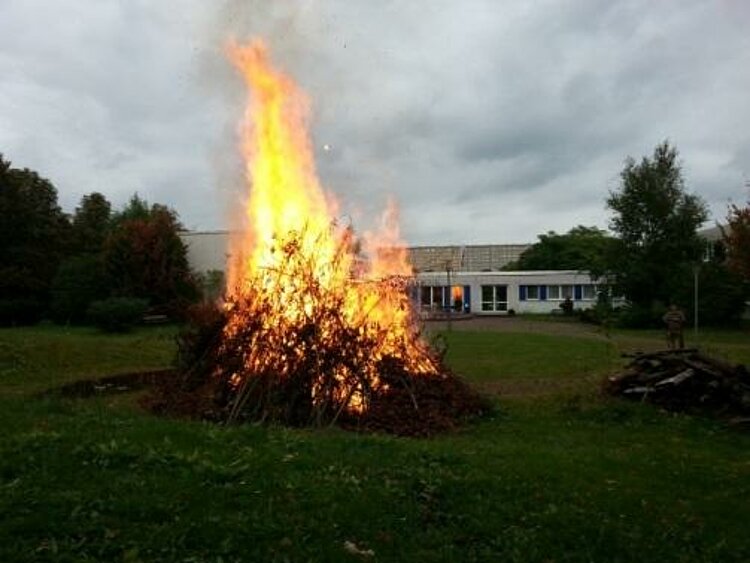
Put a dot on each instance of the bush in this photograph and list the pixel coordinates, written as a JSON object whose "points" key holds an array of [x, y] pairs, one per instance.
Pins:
{"points": [[117, 314], [567, 307], [20, 311], [600, 314], [721, 296], [639, 316], [79, 281]]}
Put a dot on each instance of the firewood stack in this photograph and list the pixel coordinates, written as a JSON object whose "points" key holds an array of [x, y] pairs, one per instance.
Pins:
{"points": [[685, 380]]}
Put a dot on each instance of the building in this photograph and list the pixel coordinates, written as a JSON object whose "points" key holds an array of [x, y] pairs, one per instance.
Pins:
{"points": [[465, 279], [206, 250], [470, 279], [468, 258], [499, 293]]}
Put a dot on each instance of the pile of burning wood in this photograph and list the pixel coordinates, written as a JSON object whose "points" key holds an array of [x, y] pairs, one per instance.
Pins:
{"points": [[307, 389], [315, 328], [685, 380]]}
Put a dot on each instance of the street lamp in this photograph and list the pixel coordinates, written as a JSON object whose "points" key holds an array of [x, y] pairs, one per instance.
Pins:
{"points": [[450, 295], [707, 252], [696, 272]]}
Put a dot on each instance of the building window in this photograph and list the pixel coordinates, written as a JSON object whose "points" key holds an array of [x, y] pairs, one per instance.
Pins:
{"points": [[532, 292], [457, 297], [494, 298], [425, 296], [431, 297], [559, 292], [488, 298], [589, 292]]}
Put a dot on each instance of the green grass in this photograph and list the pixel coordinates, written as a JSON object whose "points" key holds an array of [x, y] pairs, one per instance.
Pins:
{"points": [[732, 345], [37, 358], [564, 477], [483, 356]]}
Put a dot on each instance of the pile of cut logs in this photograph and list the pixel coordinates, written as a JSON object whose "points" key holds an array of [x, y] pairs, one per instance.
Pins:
{"points": [[685, 380]]}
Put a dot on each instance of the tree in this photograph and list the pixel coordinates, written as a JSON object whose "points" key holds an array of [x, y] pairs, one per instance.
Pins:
{"points": [[80, 277], [79, 281], [736, 238], [91, 223], [722, 297], [136, 208], [581, 248], [33, 237], [655, 222], [144, 257]]}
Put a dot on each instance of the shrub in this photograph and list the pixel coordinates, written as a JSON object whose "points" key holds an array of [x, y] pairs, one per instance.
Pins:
{"points": [[79, 281], [639, 316], [600, 314], [20, 311], [567, 307], [721, 296], [117, 314]]}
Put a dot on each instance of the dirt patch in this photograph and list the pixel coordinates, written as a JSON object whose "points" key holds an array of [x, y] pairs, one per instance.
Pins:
{"points": [[113, 384]]}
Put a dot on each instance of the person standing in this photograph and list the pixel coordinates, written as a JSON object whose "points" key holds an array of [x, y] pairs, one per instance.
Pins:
{"points": [[674, 318]]}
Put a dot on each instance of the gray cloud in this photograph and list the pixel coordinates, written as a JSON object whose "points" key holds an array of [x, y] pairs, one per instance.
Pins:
{"points": [[489, 122]]}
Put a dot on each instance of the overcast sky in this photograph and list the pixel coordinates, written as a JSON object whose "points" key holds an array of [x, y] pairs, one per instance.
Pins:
{"points": [[488, 121]]}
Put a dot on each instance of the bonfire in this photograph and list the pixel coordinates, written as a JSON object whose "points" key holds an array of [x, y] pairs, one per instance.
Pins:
{"points": [[315, 327]]}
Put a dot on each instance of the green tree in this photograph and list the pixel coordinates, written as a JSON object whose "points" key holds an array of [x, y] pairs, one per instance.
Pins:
{"points": [[80, 277], [33, 238], [136, 208], [721, 294], [655, 222], [79, 281], [736, 238], [581, 248], [144, 257], [91, 223]]}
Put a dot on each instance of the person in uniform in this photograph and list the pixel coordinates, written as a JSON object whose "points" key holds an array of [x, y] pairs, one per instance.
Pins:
{"points": [[675, 320]]}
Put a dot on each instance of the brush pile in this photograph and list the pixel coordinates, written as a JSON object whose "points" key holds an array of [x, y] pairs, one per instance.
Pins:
{"points": [[685, 380], [303, 385]]}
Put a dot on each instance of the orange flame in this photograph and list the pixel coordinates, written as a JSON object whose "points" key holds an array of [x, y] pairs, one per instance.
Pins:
{"points": [[287, 203], [286, 195], [457, 293]]}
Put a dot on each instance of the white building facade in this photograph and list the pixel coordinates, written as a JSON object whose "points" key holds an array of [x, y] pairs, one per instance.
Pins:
{"points": [[502, 293]]}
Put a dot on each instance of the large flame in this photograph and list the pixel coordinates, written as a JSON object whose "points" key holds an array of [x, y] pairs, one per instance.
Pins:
{"points": [[292, 265]]}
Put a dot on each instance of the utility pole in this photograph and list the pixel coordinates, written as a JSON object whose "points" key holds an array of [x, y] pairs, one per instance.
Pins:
{"points": [[696, 271], [449, 296]]}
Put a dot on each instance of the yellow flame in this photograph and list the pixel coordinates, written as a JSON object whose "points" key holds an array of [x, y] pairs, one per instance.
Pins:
{"points": [[286, 195], [286, 198]]}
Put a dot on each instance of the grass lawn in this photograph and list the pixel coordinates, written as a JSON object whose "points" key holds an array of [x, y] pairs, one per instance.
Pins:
{"points": [[559, 476]]}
